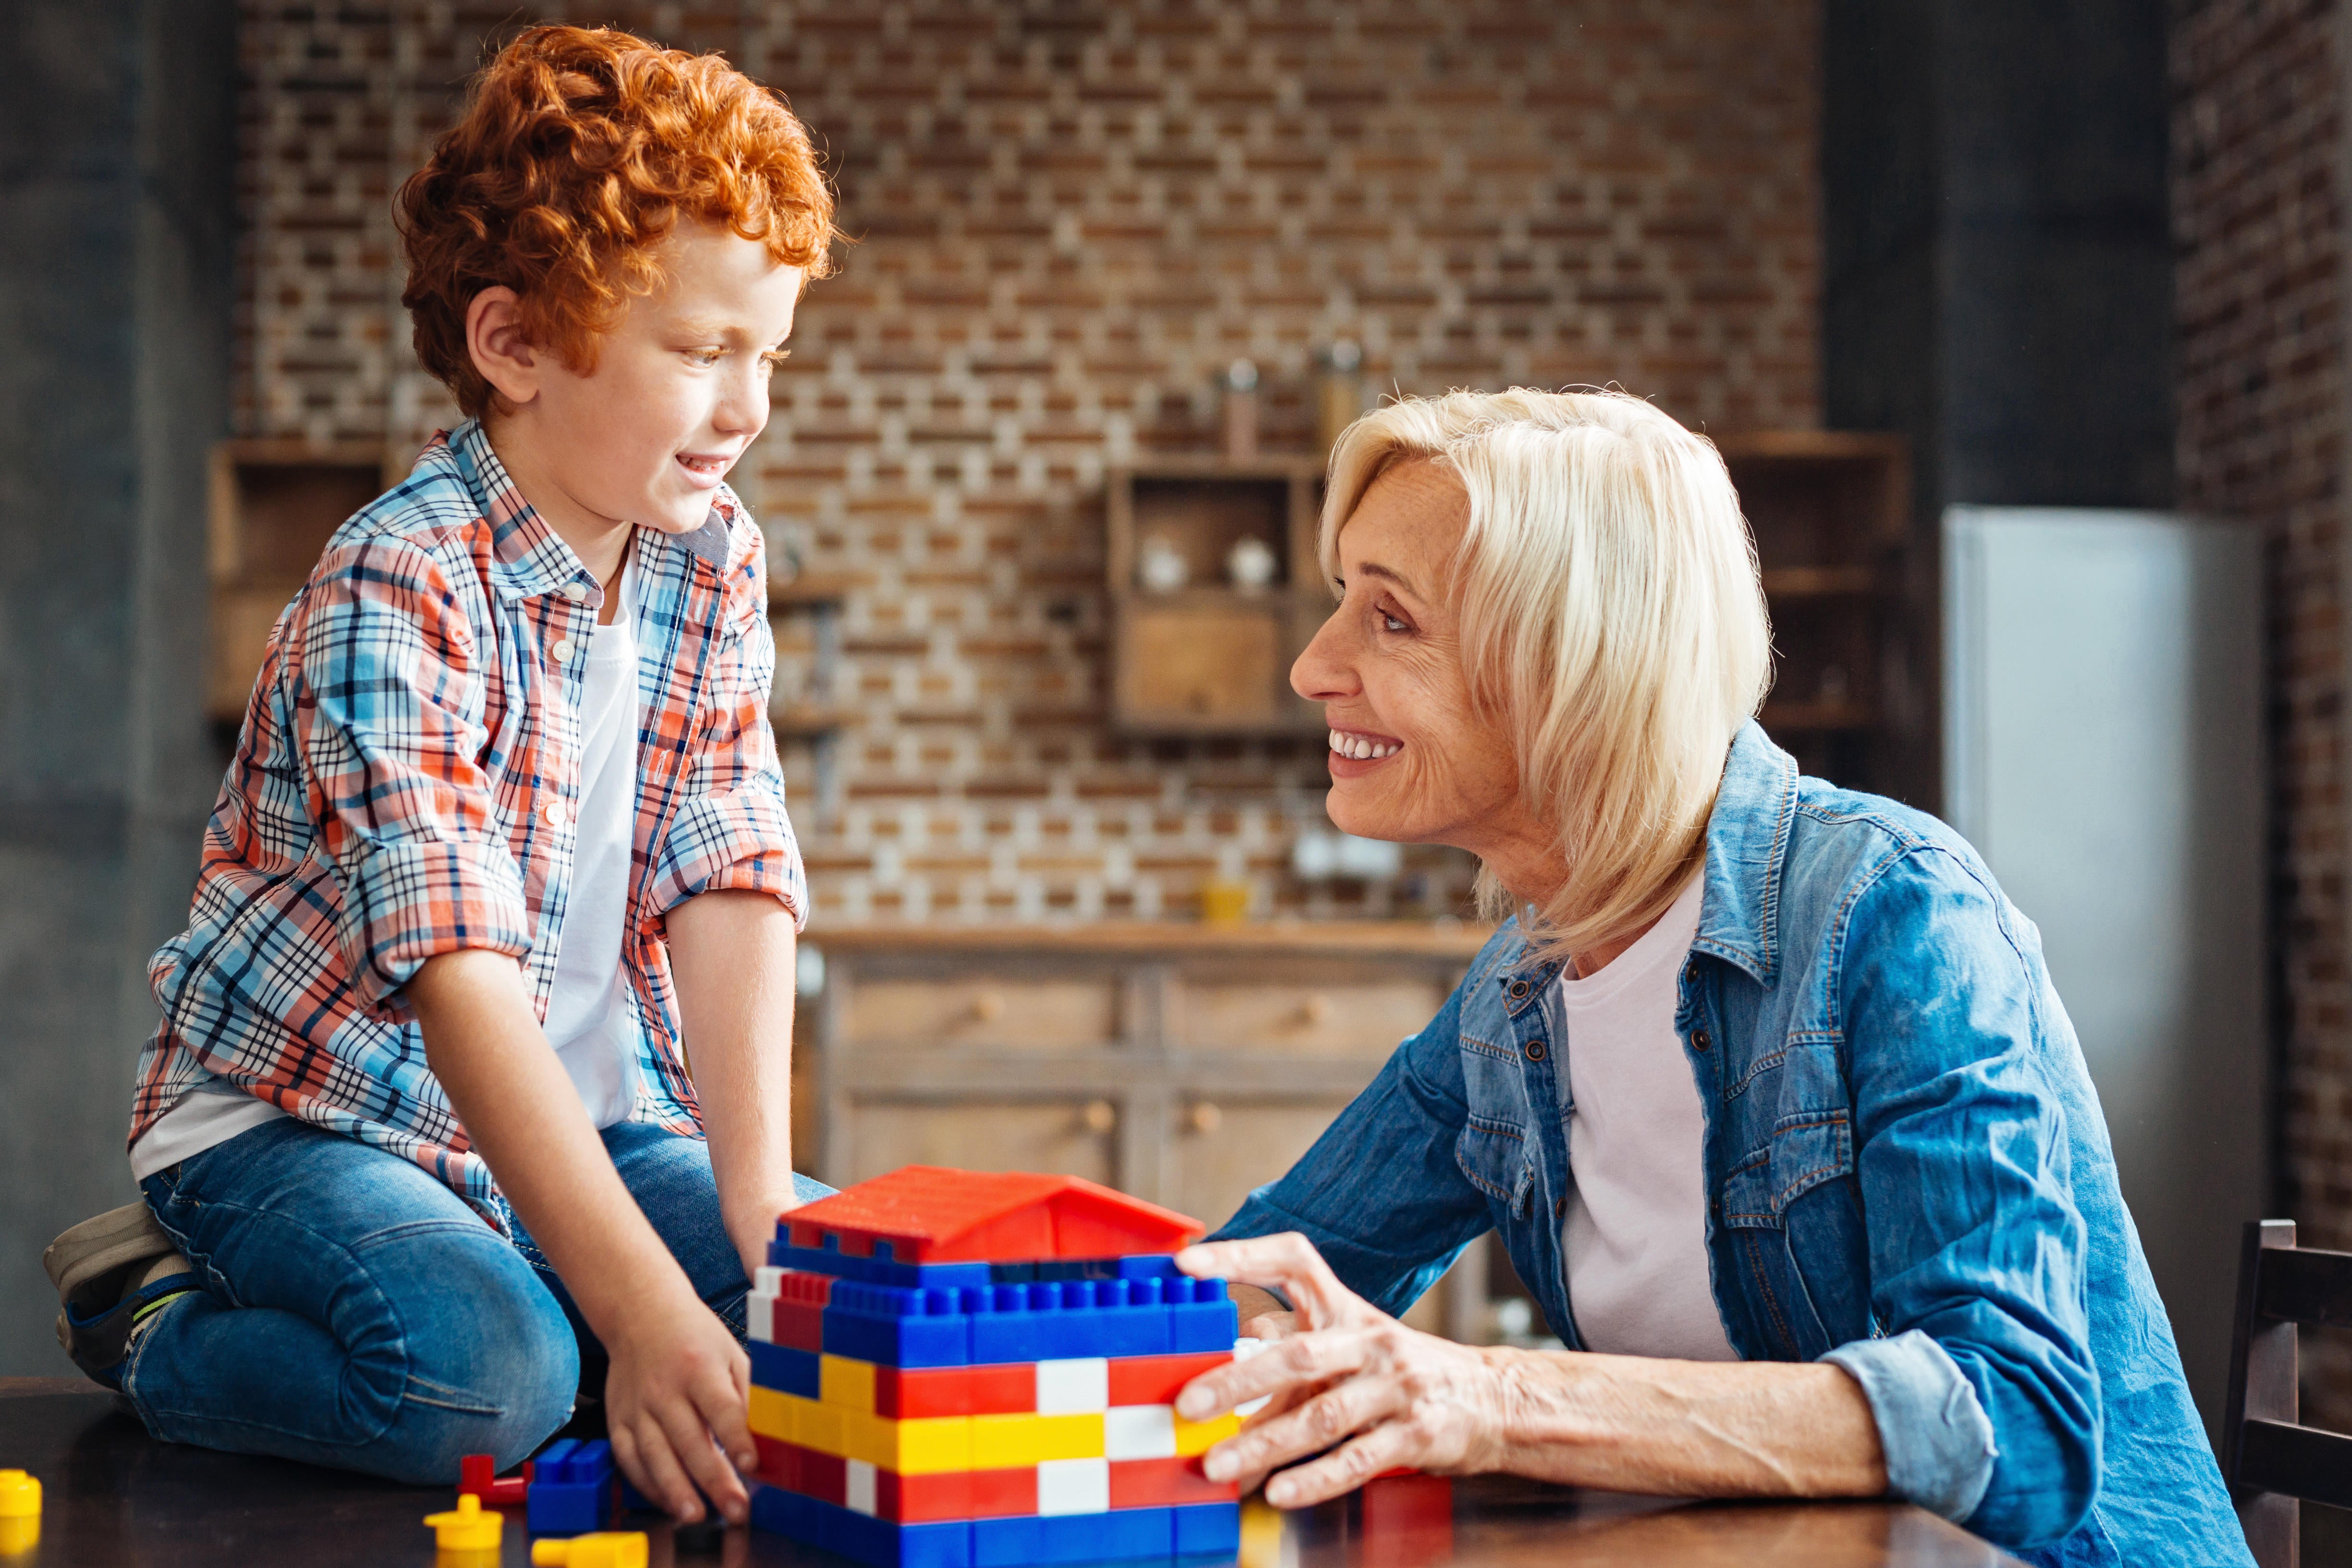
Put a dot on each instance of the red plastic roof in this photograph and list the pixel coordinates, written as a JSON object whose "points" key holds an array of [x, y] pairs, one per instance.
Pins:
{"points": [[932, 1214]]}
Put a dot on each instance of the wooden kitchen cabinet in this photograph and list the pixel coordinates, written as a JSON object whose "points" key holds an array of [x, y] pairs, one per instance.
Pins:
{"points": [[1183, 1064]]}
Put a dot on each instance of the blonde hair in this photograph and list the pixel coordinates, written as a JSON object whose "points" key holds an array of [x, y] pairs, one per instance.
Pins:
{"points": [[1611, 618]]}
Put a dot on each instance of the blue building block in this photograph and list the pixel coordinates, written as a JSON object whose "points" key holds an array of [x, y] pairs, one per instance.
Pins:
{"points": [[876, 1542], [891, 1326], [1149, 1266], [1122, 1535], [570, 1488], [1073, 1317], [1208, 1322], [783, 1368], [1207, 1528]]}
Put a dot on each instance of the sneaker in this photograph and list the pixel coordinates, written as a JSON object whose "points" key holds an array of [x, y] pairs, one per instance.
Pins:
{"points": [[112, 1274]]}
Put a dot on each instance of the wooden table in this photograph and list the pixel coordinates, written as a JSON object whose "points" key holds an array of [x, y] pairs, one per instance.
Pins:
{"points": [[113, 1499]]}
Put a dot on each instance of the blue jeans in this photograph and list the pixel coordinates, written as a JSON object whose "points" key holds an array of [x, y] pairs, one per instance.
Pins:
{"points": [[356, 1313]]}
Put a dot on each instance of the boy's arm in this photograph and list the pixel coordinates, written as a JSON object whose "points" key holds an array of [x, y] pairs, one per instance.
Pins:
{"points": [[731, 955], [677, 1379]]}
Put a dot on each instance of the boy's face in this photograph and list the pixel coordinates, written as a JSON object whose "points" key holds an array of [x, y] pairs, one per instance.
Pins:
{"points": [[680, 387]]}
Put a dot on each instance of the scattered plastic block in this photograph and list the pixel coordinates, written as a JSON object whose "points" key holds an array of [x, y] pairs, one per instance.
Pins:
{"points": [[469, 1527], [477, 1476], [706, 1534], [605, 1549], [571, 1488]]}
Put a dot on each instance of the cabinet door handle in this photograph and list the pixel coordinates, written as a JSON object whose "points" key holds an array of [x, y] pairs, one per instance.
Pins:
{"points": [[1203, 1116], [1101, 1115]]}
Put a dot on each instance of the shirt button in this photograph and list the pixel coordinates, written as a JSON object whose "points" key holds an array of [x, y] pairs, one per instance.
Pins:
{"points": [[562, 650], [554, 814], [1699, 1040], [576, 592], [1535, 1050]]}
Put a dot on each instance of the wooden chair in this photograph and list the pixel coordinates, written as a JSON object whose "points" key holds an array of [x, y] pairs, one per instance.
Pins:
{"points": [[2268, 1458]]}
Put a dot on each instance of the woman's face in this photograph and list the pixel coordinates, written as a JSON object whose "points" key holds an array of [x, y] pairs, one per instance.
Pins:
{"points": [[1411, 761]]}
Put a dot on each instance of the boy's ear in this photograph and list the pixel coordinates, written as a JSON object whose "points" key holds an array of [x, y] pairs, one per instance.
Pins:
{"points": [[495, 341]]}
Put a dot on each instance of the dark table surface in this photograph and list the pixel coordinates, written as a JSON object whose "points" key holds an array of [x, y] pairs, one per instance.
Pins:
{"points": [[113, 1497]]}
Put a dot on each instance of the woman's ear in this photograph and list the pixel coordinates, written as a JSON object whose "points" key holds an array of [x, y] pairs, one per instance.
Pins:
{"points": [[495, 341]]}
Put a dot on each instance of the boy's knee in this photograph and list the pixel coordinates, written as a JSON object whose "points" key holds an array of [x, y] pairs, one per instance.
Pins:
{"points": [[482, 1361]]}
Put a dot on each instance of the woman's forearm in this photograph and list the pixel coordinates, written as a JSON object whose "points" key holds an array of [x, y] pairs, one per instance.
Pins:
{"points": [[1686, 1429]]}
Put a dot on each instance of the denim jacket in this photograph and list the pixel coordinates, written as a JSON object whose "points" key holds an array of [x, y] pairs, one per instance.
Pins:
{"points": [[1907, 1172]]}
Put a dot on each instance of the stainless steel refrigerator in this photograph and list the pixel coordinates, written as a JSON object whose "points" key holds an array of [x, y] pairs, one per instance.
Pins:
{"points": [[2104, 750]]}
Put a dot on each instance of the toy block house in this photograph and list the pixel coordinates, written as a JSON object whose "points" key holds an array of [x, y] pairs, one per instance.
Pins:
{"points": [[959, 1370]]}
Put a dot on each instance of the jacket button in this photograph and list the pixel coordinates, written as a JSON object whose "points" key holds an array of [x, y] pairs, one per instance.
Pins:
{"points": [[1560, 1208], [1691, 973], [1699, 1040], [1518, 989], [1535, 1050], [1714, 1209]]}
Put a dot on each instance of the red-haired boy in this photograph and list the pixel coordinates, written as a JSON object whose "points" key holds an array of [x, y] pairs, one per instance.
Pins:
{"points": [[505, 836]]}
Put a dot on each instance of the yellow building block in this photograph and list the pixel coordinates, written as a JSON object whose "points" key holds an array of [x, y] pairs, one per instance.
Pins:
{"points": [[1199, 1437], [1015, 1442], [771, 1413], [819, 1425], [847, 1383], [921, 1446]]}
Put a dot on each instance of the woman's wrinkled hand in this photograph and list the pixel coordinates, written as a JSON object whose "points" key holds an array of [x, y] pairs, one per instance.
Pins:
{"points": [[1354, 1385]]}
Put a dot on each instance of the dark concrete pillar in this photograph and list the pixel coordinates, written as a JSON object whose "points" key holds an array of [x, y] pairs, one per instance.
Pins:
{"points": [[117, 202]]}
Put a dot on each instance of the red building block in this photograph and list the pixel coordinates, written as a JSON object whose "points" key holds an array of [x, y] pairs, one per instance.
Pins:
{"points": [[477, 1476], [798, 1316], [1155, 1379], [1002, 1389], [930, 1214], [1165, 1483], [955, 1494]]}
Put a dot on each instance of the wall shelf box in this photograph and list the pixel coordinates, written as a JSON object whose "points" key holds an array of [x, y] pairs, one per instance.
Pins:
{"points": [[1212, 657], [1830, 511], [273, 505]]}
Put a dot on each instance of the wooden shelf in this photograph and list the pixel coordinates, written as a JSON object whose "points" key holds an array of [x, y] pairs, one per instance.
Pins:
{"points": [[809, 720], [1418, 938], [1820, 581], [810, 589]]}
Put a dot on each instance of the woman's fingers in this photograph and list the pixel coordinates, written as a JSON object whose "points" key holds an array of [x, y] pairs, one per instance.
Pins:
{"points": [[1288, 1263], [1384, 1448], [1301, 1359], [1314, 1426]]}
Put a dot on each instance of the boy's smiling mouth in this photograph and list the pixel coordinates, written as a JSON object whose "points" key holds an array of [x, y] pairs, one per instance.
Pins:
{"points": [[704, 468]]}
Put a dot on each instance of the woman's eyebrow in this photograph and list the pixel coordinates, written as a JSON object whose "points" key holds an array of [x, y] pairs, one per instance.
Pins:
{"points": [[1374, 569]]}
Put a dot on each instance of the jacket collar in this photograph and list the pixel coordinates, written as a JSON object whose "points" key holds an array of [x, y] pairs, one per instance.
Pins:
{"points": [[530, 559], [1746, 847]]}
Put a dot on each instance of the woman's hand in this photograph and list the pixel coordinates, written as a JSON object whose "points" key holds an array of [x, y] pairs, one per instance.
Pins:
{"points": [[1354, 1381]]}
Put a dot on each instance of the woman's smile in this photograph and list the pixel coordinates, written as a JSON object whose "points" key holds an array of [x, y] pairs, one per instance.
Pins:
{"points": [[1355, 752]]}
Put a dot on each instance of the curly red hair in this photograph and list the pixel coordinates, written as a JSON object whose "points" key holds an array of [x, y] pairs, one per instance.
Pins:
{"points": [[579, 151]]}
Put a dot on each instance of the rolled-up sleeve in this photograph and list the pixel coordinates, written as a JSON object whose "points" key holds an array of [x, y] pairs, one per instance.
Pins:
{"points": [[390, 731], [1932, 1428], [730, 830], [1976, 1242]]}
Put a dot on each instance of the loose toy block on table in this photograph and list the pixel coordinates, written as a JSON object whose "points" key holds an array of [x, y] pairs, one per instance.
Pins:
{"points": [[477, 1476], [571, 1488], [955, 1369]]}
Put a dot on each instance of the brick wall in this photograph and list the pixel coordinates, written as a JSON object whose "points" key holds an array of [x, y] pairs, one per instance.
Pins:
{"points": [[1069, 217], [2257, 200]]}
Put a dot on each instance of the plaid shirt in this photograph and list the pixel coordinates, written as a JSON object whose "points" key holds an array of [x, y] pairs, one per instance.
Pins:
{"points": [[406, 785]]}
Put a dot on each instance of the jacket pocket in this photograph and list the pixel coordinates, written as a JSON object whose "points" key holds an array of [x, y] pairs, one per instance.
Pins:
{"points": [[1780, 1257], [1494, 1156], [1804, 1150]]}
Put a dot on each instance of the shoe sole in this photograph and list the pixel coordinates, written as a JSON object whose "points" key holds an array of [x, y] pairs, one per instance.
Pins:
{"points": [[103, 1243]]}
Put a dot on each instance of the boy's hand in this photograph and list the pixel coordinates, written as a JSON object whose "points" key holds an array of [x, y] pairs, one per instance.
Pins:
{"points": [[675, 1409]]}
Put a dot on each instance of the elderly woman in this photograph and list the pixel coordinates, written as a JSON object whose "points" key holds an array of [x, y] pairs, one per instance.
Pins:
{"points": [[1764, 1085]]}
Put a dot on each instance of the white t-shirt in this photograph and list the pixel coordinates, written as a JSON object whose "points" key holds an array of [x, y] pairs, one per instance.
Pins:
{"points": [[590, 1019], [1635, 1241]]}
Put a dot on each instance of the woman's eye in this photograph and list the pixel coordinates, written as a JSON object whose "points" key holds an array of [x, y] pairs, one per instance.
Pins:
{"points": [[1390, 624]]}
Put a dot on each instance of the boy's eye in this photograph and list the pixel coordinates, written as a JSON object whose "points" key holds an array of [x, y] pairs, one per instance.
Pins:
{"points": [[702, 359], [775, 357]]}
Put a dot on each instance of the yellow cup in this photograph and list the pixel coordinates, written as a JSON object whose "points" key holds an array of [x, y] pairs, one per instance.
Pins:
{"points": [[1224, 903]]}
